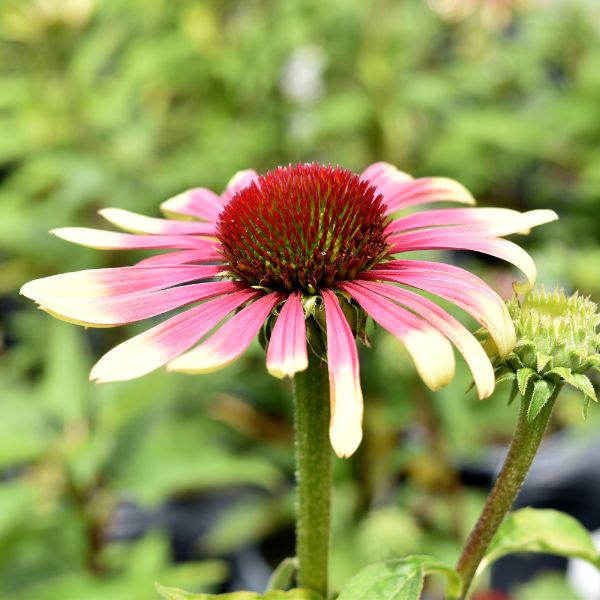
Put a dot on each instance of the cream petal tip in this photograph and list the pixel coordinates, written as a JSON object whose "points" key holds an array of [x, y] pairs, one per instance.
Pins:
{"points": [[29, 289], [545, 215], [38, 289], [116, 216], [433, 357], [506, 339], [107, 371], [345, 440], [241, 176], [282, 371], [287, 369], [278, 372], [197, 362], [175, 203], [455, 191]]}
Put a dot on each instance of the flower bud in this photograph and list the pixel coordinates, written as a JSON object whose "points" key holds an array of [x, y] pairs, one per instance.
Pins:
{"points": [[557, 342]]}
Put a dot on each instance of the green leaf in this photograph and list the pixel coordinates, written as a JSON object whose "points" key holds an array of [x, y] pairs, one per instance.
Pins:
{"points": [[542, 390], [577, 380], [583, 384], [562, 372], [541, 530], [400, 579], [505, 377], [584, 407], [523, 377], [542, 360], [514, 392], [283, 575], [295, 594]]}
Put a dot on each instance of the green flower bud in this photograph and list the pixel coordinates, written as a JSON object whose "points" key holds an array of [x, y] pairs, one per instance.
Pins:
{"points": [[557, 342]]}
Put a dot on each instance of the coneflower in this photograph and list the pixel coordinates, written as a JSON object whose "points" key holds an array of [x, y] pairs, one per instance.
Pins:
{"points": [[302, 248]]}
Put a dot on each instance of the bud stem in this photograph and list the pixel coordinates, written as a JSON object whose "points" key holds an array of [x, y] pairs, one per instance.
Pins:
{"points": [[313, 475], [522, 450]]}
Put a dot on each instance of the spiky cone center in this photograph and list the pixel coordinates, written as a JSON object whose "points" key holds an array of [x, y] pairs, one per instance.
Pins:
{"points": [[303, 227], [556, 330]]}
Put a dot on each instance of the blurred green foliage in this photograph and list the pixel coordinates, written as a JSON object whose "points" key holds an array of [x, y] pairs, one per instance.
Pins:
{"points": [[127, 102]]}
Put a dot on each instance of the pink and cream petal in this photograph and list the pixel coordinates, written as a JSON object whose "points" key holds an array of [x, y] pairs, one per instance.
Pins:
{"points": [[425, 191], [286, 354], [112, 240], [345, 430], [128, 308], [498, 247], [471, 350], [450, 216], [135, 223], [229, 341], [157, 346], [238, 182], [435, 269], [488, 221], [384, 176], [523, 225], [200, 203], [179, 257], [464, 290], [93, 283], [430, 351]]}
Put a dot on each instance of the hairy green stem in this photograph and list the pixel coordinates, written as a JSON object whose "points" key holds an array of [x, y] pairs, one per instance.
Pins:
{"points": [[522, 450], [313, 475]]}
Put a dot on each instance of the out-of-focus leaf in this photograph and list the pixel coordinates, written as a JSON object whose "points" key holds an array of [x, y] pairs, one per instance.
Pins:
{"points": [[400, 579], [161, 467], [547, 587], [249, 519], [283, 574], [541, 530], [296, 594]]}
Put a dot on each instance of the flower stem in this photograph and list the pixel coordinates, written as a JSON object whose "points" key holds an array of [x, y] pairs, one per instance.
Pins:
{"points": [[313, 475], [523, 447]]}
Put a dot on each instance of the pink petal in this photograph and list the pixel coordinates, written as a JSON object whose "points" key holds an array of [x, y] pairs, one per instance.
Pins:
{"points": [[427, 267], [111, 240], [157, 346], [460, 287], [200, 203], [451, 216], [228, 342], [118, 310], [345, 430], [478, 221], [111, 282], [238, 182], [500, 248], [384, 175], [129, 221], [180, 257], [424, 191], [469, 347], [431, 352], [286, 354]]}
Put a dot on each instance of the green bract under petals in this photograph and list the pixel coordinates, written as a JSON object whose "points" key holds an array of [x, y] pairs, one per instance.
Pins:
{"points": [[557, 342]]}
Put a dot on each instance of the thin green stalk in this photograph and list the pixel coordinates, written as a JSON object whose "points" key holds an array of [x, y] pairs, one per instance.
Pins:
{"points": [[313, 475], [522, 450]]}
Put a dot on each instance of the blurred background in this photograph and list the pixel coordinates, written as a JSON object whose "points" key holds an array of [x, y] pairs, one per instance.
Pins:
{"points": [[189, 480]]}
